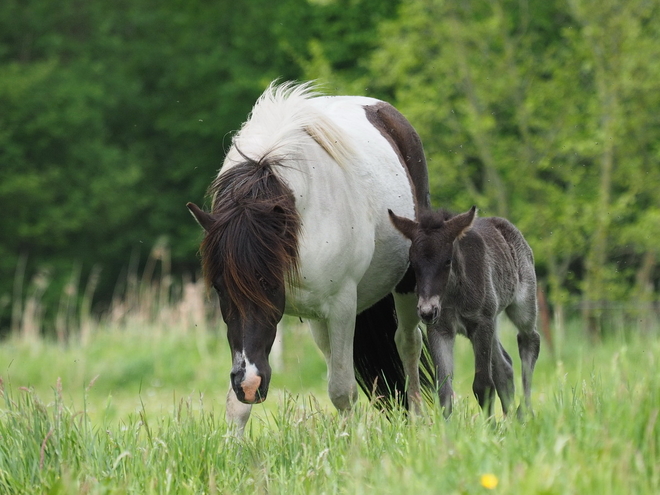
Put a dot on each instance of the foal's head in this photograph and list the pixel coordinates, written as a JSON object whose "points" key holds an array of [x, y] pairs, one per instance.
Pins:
{"points": [[432, 251]]}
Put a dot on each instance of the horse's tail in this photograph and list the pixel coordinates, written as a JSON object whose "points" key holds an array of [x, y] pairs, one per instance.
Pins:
{"points": [[378, 367]]}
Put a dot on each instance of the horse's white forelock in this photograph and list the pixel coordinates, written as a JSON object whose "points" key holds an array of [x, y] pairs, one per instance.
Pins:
{"points": [[281, 112]]}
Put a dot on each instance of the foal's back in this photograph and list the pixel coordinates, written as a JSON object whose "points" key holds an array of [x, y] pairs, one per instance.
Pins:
{"points": [[497, 247]]}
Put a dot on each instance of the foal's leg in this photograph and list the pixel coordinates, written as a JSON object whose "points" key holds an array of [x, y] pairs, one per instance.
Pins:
{"points": [[503, 375], [483, 386], [441, 341], [523, 317], [408, 339]]}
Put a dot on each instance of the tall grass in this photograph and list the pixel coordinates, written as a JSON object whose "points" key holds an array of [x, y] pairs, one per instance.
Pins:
{"points": [[135, 404], [595, 431], [150, 297]]}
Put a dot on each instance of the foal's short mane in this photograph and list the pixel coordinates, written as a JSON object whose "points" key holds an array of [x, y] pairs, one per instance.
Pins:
{"points": [[253, 243], [433, 219]]}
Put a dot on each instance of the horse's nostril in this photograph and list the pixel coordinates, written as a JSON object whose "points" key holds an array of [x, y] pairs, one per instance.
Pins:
{"points": [[237, 378]]}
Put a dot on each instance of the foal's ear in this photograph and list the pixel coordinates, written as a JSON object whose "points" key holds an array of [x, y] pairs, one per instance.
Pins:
{"points": [[404, 225], [461, 224], [205, 220]]}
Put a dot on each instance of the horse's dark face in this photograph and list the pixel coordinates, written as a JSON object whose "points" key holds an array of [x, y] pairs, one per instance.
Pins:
{"points": [[432, 254], [251, 332], [249, 250]]}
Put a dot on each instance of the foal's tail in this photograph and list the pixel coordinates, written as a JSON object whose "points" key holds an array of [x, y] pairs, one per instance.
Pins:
{"points": [[378, 367]]}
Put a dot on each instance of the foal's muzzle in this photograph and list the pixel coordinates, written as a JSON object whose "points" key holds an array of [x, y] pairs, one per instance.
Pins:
{"points": [[429, 310]]}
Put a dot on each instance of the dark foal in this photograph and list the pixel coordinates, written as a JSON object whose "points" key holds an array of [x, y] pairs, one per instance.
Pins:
{"points": [[468, 271]]}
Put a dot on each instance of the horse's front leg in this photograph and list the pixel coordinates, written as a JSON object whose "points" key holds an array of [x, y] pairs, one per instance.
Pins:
{"points": [[237, 413], [441, 340], [408, 339], [342, 387], [483, 386]]}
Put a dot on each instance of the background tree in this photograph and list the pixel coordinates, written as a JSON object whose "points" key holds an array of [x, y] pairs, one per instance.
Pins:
{"points": [[543, 112], [114, 115]]}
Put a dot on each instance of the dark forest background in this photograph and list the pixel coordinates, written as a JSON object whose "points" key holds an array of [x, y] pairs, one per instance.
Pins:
{"points": [[114, 114]]}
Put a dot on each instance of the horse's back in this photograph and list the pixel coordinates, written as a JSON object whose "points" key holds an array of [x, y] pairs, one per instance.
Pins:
{"points": [[343, 206]]}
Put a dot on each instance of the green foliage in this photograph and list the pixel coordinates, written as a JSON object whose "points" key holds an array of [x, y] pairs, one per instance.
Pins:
{"points": [[542, 112], [114, 115], [594, 431]]}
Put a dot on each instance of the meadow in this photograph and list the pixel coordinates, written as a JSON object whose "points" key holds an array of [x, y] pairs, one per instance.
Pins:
{"points": [[139, 408]]}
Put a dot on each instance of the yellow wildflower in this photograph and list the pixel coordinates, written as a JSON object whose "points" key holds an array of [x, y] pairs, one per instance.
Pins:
{"points": [[489, 481]]}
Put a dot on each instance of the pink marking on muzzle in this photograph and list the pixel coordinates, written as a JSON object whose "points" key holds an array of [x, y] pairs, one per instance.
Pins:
{"points": [[250, 387]]}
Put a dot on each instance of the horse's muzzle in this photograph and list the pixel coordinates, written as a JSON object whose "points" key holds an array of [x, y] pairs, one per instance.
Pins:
{"points": [[250, 388]]}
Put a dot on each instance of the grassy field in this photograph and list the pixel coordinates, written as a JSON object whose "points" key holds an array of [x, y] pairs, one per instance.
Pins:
{"points": [[141, 410]]}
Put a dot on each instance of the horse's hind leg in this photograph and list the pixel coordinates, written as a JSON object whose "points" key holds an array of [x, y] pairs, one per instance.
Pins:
{"points": [[482, 336], [503, 375], [529, 344]]}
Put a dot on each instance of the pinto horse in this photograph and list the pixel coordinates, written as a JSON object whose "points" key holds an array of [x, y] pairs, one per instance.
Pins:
{"points": [[468, 271], [298, 225]]}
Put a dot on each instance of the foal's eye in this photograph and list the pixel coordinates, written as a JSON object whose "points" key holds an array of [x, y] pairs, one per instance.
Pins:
{"points": [[448, 262]]}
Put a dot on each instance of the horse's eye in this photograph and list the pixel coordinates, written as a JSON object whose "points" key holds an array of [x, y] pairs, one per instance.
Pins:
{"points": [[448, 262], [265, 286]]}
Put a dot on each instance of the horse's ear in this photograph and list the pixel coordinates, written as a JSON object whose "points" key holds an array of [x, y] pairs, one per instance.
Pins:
{"points": [[281, 219], [205, 220], [404, 225], [461, 224]]}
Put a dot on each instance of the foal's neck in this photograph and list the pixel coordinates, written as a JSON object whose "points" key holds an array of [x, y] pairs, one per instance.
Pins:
{"points": [[457, 271]]}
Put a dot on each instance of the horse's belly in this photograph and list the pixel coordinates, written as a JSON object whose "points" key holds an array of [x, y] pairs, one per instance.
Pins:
{"points": [[327, 271], [388, 265]]}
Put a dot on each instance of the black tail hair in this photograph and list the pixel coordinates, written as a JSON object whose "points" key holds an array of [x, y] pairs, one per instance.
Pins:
{"points": [[378, 367]]}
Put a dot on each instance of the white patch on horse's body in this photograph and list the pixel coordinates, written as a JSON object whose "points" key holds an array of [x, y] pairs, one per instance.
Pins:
{"points": [[276, 121], [360, 248]]}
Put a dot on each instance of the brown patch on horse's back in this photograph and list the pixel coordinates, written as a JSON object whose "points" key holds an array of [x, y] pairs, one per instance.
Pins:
{"points": [[407, 145]]}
